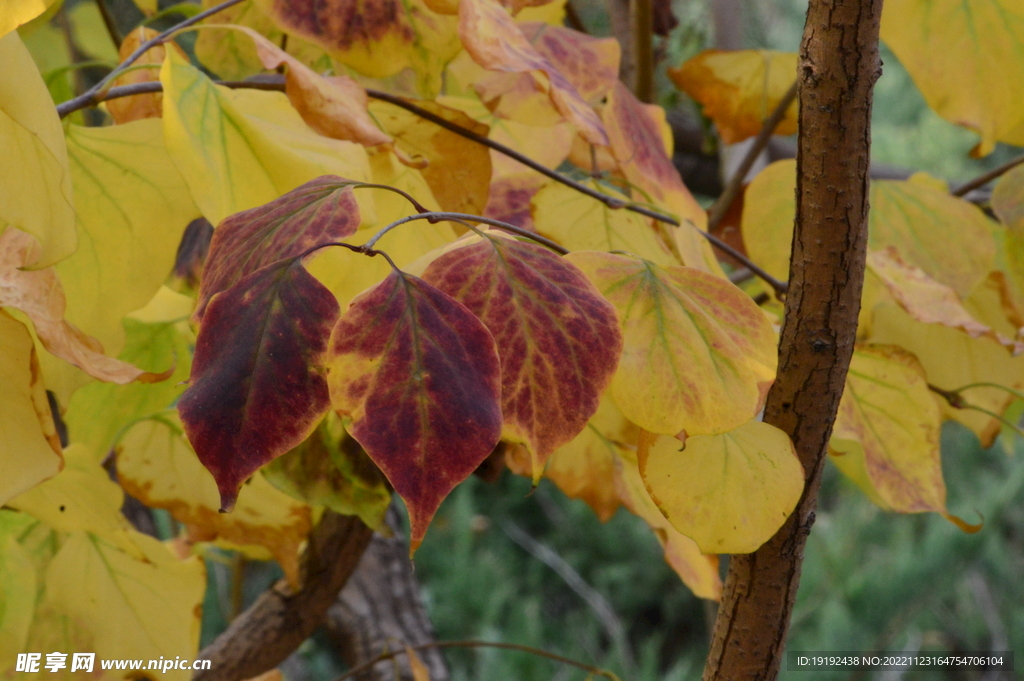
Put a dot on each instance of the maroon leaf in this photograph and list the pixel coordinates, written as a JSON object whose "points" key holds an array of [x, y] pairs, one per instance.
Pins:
{"points": [[418, 374], [257, 385], [558, 338], [321, 210]]}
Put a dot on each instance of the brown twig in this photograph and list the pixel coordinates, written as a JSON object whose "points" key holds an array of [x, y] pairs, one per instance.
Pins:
{"points": [[355, 671], [722, 204], [276, 83], [985, 178], [641, 17]]}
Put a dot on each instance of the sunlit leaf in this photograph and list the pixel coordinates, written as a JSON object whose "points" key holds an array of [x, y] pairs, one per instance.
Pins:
{"points": [[14, 13], [30, 451], [377, 38], [495, 42], [698, 354], [125, 109], [238, 149], [457, 169], [418, 375], [156, 465], [35, 185], [257, 387], [966, 58], [699, 571], [581, 223], [39, 295], [558, 339], [728, 492], [320, 211], [330, 469], [739, 89]]}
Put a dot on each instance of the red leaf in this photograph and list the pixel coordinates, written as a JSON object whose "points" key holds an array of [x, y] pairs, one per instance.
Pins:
{"points": [[321, 210], [418, 374], [257, 385], [558, 338]]}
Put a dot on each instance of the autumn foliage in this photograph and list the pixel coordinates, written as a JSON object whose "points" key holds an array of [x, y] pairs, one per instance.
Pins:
{"points": [[387, 300]]}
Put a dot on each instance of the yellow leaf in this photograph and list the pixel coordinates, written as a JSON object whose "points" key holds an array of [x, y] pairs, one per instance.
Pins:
{"points": [[156, 465], [699, 571], [14, 13], [581, 223], [90, 32], [1008, 198], [238, 149], [125, 109], [967, 58], [18, 585], [951, 360], [35, 185], [886, 434], [769, 208], [416, 666], [730, 492], [133, 607], [699, 355], [30, 451], [739, 89]]}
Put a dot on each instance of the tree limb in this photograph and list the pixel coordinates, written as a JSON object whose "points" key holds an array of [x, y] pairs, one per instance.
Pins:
{"points": [[280, 619], [985, 178], [838, 67]]}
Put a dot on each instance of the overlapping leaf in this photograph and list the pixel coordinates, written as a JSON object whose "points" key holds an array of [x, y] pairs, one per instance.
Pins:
{"points": [[730, 492], [238, 149], [967, 59], [18, 589], [35, 185], [578, 222], [30, 451], [39, 295], [418, 375], [698, 570], [698, 354], [14, 13], [739, 89], [126, 109], [156, 465], [510, 198], [319, 211], [257, 387], [1008, 198], [558, 339], [495, 42]]}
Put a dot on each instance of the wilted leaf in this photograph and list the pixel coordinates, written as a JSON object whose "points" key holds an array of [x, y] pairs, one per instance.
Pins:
{"points": [[330, 469], [728, 492], [495, 42], [257, 387], [238, 149], [698, 356], [558, 339], [35, 185], [377, 38], [39, 295], [966, 58], [125, 109], [30, 451], [886, 434], [641, 142], [739, 89], [156, 465], [457, 169], [418, 375], [319, 211], [581, 223], [699, 571]]}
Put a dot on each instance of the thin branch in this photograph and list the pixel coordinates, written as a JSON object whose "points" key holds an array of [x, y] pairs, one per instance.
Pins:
{"points": [[277, 84], [90, 96], [957, 401], [984, 179], [722, 204], [355, 671], [441, 216]]}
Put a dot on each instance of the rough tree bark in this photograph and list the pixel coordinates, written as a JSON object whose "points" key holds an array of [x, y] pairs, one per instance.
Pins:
{"points": [[838, 67]]}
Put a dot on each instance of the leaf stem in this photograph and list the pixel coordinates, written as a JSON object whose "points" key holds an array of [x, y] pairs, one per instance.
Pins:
{"points": [[362, 250], [356, 671], [985, 178], [94, 95], [442, 216], [957, 401]]}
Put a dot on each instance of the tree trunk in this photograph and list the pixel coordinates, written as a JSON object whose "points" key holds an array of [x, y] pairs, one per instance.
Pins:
{"points": [[838, 67]]}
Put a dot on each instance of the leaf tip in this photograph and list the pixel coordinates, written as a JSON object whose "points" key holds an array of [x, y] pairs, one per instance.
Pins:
{"points": [[965, 526]]}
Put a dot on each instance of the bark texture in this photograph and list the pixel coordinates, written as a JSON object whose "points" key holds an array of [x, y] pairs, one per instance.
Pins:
{"points": [[273, 627], [380, 610], [838, 67]]}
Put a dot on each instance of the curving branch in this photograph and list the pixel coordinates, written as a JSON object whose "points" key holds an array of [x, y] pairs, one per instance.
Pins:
{"points": [[273, 627], [985, 178]]}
